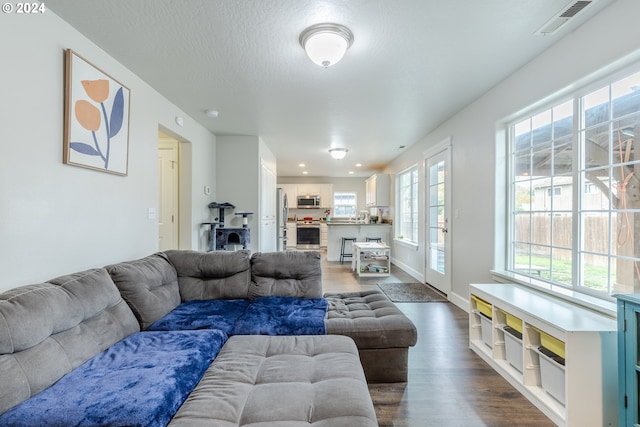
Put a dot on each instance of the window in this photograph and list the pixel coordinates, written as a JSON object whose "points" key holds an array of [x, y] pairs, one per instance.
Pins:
{"points": [[555, 191], [407, 205], [584, 240], [344, 205]]}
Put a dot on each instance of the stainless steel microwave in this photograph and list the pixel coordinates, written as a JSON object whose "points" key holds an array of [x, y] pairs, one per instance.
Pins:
{"points": [[308, 202]]}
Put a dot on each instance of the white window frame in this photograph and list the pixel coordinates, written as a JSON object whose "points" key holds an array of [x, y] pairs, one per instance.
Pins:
{"points": [[401, 226], [336, 203], [578, 211]]}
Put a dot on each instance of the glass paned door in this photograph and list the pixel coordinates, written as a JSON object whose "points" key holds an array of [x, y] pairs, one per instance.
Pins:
{"points": [[437, 180]]}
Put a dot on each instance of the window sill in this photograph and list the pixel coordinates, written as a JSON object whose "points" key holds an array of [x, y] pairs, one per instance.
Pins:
{"points": [[406, 244], [606, 307]]}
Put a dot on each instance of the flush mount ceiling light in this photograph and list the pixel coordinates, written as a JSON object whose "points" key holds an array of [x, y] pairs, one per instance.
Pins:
{"points": [[338, 153], [326, 43]]}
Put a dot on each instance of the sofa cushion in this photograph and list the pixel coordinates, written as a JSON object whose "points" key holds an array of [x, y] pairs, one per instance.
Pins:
{"points": [[139, 381], [370, 318], [276, 381], [212, 275], [289, 274], [283, 316], [203, 314], [48, 329], [149, 285]]}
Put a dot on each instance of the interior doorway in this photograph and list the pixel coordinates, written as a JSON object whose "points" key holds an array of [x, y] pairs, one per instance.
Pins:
{"points": [[438, 226], [169, 192]]}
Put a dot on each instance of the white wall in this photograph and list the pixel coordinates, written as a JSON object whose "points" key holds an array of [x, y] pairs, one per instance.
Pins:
{"points": [[605, 43], [238, 176], [57, 219]]}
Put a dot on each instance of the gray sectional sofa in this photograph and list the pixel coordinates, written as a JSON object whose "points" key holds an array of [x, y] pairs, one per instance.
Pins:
{"points": [[197, 338]]}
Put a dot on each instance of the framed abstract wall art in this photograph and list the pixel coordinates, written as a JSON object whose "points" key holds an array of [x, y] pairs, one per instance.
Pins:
{"points": [[96, 128]]}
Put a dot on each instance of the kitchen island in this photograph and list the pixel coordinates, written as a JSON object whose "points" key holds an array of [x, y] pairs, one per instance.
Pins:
{"points": [[336, 230]]}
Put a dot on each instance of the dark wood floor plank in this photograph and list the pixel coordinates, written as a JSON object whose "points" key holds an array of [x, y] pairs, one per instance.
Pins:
{"points": [[449, 385]]}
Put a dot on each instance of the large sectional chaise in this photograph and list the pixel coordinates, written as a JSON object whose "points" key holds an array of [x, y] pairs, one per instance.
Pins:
{"points": [[197, 338]]}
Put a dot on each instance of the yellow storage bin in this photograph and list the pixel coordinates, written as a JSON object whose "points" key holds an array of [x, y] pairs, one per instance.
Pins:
{"points": [[551, 343], [482, 306], [513, 321]]}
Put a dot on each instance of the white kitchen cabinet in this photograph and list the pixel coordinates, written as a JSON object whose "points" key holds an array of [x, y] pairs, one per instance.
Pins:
{"points": [[575, 384], [326, 196], [308, 189], [292, 236], [377, 188], [324, 231], [291, 190]]}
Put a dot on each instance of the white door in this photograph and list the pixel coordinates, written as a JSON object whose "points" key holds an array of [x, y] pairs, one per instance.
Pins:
{"points": [[168, 198], [438, 188]]}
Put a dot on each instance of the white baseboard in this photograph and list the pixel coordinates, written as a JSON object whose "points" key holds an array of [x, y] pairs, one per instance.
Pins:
{"points": [[458, 300], [413, 273]]}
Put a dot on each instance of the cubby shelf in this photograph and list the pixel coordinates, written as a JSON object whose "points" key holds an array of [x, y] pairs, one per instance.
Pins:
{"points": [[581, 392], [371, 259]]}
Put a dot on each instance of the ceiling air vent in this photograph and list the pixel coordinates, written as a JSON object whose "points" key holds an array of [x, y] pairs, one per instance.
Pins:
{"points": [[565, 15]]}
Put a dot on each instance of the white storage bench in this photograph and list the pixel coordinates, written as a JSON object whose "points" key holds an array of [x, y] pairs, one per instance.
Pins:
{"points": [[580, 392]]}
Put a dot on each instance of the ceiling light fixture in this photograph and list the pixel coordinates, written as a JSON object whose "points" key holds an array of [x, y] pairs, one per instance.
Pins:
{"points": [[211, 113], [326, 43], [338, 153]]}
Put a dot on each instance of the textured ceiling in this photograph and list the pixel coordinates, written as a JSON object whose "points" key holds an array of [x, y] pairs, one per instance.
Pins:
{"points": [[413, 64]]}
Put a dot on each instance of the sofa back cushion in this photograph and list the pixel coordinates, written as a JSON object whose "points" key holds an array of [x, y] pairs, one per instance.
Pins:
{"points": [[149, 285], [286, 274], [212, 275], [49, 329]]}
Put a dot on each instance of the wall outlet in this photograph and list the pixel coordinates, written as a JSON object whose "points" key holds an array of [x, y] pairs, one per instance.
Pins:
{"points": [[207, 190]]}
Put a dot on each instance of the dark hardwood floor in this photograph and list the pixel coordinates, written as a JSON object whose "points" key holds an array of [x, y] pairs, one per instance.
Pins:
{"points": [[449, 385]]}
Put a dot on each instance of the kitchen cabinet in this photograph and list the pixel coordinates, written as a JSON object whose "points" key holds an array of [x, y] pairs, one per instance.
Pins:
{"points": [[323, 234], [291, 190], [292, 236], [377, 188], [308, 189], [326, 196]]}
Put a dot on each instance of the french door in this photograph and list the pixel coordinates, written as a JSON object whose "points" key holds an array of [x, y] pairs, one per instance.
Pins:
{"points": [[438, 227]]}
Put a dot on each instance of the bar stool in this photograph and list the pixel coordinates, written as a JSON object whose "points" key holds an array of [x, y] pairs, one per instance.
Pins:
{"points": [[374, 239], [344, 254]]}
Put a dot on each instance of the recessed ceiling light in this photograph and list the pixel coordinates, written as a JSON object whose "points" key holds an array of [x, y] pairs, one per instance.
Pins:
{"points": [[211, 113], [351, 172], [302, 165], [358, 165], [304, 172]]}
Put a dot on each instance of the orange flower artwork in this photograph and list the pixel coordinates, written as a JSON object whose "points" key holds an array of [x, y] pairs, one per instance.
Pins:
{"points": [[88, 115], [97, 118], [98, 90]]}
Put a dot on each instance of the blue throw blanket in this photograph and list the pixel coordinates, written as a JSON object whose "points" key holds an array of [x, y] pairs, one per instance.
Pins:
{"points": [[262, 316], [202, 314], [283, 316], [139, 381]]}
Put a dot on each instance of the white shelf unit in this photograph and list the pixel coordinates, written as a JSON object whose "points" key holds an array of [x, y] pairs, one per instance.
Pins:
{"points": [[588, 339], [371, 259]]}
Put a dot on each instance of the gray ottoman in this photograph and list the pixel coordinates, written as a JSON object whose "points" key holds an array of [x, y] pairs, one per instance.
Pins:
{"points": [[283, 380], [381, 331]]}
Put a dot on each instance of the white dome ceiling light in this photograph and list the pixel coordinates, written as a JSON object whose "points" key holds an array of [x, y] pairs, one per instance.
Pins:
{"points": [[326, 43], [338, 153]]}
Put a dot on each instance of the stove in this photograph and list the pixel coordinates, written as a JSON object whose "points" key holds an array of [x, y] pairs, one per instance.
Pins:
{"points": [[308, 234]]}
